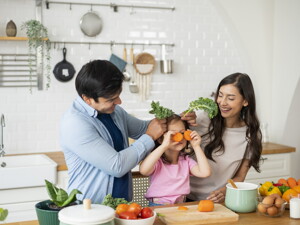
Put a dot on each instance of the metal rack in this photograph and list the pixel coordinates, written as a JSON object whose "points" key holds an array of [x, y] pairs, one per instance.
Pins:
{"points": [[112, 43], [18, 70], [111, 5]]}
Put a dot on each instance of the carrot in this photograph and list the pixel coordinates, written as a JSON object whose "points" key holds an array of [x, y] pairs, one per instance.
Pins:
{"points": [[177, 137], [187, 135], [298, 182], [292, 182], [206, 206], [283, 181], [182, 208]]}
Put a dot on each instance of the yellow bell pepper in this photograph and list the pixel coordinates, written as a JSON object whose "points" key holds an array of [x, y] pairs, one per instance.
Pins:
{"points": [[264, 188], [274, 190]]}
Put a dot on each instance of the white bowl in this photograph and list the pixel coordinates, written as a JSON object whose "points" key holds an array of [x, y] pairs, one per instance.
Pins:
{"points": [[147, 221]]}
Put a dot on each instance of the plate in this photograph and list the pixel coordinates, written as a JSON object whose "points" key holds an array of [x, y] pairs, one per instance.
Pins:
{"points": [[91, 24]]}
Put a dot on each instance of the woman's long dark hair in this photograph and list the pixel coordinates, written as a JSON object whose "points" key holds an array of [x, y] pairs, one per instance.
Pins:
{"points": [[248, 115]]}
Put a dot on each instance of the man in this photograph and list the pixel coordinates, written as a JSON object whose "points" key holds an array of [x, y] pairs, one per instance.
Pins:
{"points": [[94, 135]]}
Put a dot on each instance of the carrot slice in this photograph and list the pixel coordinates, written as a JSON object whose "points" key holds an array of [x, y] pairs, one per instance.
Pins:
{"points": [[187, 135], [182, 208], [177, 137]]}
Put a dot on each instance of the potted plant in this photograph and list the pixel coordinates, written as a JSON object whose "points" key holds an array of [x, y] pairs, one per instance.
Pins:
{"points": [[38, 41], [47, 211], [3, 214]]}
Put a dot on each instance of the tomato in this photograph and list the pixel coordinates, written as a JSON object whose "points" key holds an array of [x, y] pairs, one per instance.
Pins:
{"points": [[122, 208], [128, 215], [146, 212], [135, 208]]}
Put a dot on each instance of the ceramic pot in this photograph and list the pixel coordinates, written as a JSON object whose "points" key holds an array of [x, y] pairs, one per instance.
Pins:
{"points": [[46, 216], [87, 214], [242, 199], [11, 29]]}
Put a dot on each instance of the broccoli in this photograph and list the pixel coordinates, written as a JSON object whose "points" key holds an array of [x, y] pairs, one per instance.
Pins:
{"points": [[112, 202]]}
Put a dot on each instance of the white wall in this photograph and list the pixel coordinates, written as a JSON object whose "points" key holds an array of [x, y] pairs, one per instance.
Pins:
{"points": [[213, 38]]}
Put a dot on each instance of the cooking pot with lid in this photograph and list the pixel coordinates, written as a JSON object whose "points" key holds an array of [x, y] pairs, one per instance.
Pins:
{"points": [[87, 214]]}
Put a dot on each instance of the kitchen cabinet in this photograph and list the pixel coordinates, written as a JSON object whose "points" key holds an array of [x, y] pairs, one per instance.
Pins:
{"points": [[21, 202], [273, 167]]}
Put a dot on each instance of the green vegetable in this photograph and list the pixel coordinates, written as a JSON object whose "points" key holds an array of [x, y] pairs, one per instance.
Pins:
{"points": [[283, 188], [3, 214], [160, 112], [206, 104], [113, 202], [59, 196]]}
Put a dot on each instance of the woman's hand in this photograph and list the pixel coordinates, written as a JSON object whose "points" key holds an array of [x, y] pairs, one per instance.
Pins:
{"points": [[190, 118], [217, 196]]}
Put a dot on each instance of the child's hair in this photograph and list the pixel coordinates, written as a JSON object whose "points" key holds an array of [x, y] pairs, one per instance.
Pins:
{"points": [[183, 152]]}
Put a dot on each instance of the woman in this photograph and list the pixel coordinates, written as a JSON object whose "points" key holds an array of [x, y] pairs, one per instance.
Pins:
{"points": [[231, 140]]}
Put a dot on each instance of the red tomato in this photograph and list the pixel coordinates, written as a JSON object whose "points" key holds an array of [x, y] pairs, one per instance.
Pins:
{"points": [[135, 208], [127, 216], [146, 212]]}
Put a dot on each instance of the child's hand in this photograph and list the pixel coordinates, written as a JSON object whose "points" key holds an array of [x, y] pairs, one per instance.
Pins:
{"points": [[196, 139], [168, 139]]}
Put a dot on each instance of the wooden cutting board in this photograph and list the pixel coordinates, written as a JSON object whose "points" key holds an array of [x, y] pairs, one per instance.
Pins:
{"points": [[173, 216]]}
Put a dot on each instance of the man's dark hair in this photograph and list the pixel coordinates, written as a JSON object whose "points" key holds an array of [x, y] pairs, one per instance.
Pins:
{"points": [[99, 78]]}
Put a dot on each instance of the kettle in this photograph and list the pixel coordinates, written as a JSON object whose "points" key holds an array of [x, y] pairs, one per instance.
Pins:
{"points": [[87, 214]]}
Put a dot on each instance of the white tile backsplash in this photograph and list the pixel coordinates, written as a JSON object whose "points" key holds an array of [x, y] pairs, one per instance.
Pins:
{"points": [[204, 53]]}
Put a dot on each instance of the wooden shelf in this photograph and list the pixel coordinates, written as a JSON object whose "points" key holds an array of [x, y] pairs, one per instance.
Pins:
{"points": [[17, 38]]}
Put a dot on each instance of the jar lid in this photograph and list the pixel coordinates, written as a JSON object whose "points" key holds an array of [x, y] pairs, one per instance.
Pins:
{"points": [[79, 214]]}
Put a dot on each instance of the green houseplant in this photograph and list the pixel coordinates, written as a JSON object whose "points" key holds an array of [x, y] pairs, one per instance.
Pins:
{"points": [[3, 214], [38, 41], [47, 211]]}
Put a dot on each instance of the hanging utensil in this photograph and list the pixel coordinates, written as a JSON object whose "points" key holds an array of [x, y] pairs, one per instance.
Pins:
{"points": [[91, 24], [144, 65], [64, 71], [133, 87], [127, 75]]}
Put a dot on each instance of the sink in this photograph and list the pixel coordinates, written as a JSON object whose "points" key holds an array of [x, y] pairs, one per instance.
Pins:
{"points": [[26, 171]]}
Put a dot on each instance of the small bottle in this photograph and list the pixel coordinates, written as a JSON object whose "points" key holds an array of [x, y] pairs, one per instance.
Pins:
{"points": [[264, 132], [295, 207]]}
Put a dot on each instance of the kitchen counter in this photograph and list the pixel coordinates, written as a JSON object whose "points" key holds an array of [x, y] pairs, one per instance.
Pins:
{"points": [[244, 219], [268, 148]]}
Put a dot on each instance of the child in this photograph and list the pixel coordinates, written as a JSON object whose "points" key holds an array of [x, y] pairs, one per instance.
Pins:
{"points": [[169, 167]]}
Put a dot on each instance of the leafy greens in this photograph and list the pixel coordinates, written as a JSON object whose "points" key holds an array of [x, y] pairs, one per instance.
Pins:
{"points": [[206, 104], [112, 202], [160, 112]]}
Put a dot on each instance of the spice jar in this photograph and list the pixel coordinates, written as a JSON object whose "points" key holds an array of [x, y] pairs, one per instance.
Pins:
{"points": [[295, 207]]}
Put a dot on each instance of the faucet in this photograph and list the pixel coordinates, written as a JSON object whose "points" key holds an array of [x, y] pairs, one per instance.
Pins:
{"points": [[2, 124]]}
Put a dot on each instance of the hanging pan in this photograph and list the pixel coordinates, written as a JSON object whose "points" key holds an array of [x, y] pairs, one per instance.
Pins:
{"points": [[91, 24], [64, 71]]}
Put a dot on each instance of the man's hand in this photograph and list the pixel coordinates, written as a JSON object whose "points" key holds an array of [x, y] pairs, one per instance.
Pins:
{"points": [[190, 118], [156, 128]]}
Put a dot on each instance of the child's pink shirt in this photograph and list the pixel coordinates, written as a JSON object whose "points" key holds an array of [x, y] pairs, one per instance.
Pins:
{"points": [[170, 183]]}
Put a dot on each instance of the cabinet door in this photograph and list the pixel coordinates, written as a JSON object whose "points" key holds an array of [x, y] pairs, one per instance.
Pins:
{"points": [[62, 179], [273, 167]]}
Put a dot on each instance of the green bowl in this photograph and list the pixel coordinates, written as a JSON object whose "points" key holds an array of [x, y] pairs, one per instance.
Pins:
{"points": [[243, 199]]}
